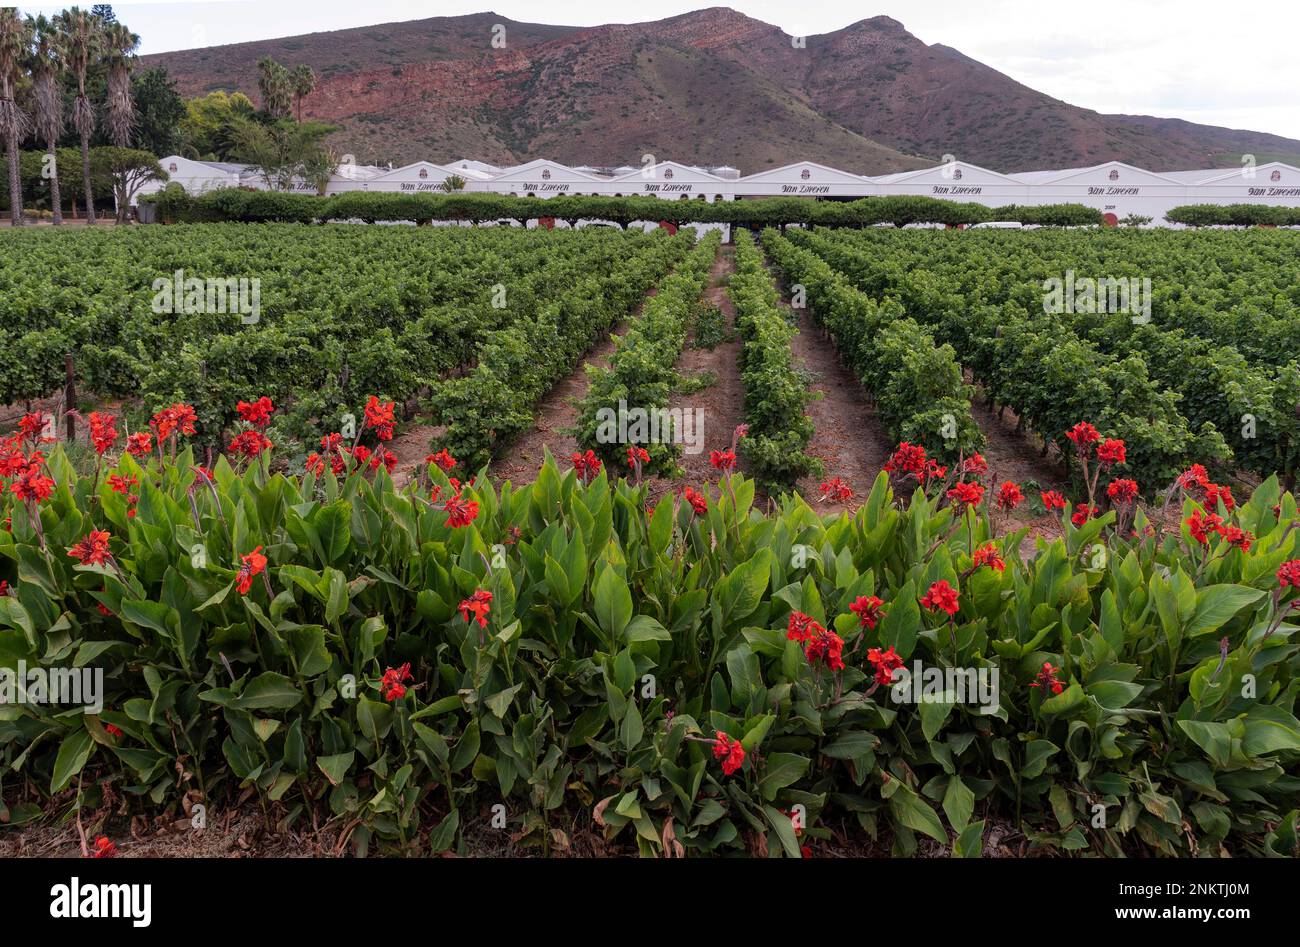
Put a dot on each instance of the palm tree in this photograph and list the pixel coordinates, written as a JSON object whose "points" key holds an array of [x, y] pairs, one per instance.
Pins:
{"points": [[80, 41], [120, 45], [14, 123], [303, 80], [274, 86], [46, 66]]}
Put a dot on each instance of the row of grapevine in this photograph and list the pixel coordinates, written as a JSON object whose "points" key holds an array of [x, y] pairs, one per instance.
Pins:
{"points": [[1252, 406], [775, 394], [339, 311], [641, 376], [916, 383]]}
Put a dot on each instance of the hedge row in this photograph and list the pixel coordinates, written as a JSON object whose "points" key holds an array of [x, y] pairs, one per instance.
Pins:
{"points": [[174, 205], [1234, 215]]}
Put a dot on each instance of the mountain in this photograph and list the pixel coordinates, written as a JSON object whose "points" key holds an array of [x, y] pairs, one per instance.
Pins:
{"points": [[713, 86]]}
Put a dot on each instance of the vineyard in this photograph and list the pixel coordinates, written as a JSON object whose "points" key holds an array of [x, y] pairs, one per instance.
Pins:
{"points": [[937, 631]]}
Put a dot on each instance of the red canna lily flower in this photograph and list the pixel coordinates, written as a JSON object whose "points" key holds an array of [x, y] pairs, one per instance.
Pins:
{"points": [[1238, 537], [941, 597], [729, 751], [989, 555], [1201, 524], [975, 464], [139, 444], [1047, 679], [379, 417], [867, 608], [1053, 500], [637, 455], [92, 550], [249, 443], [1111, 452], [254, 563], [1084, 436], [885, 662], [801, 627], [103, 435], [31, 426], [460, 512], [698, 501], [824, 647], [1009, 496], [965, 494], [1122, 492], [587, 466], [394, 680], [1288, 574], [443, 459], [112, 730], [256, 413], [907, 459], [1083, 513], [32, 484], [480, 603], [104, 848], [723, 460], [836, 490], [1216, 494]]}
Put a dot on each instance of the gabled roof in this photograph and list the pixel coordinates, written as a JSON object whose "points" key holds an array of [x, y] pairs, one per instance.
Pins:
{"points": [[1100, 173], [954, 172], [560, 172], [1263, 175], [413, 169], [820, 172], [655, 172]]}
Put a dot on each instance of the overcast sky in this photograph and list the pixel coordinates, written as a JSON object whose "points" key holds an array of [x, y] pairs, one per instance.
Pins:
{"points": [[1219, 63]]}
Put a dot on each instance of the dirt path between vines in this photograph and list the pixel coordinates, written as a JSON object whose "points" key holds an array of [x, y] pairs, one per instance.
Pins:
{"points": [[848, 437], [720, 407], [1017, 456]]}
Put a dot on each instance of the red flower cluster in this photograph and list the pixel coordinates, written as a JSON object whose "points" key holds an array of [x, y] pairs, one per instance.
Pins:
{"points": [[379, 418], [988, 555], [836, 490], [729, 751], [1084, 435], [1288, 574], [824, 647], [1053, 500], [1009, 496], [800, 627], [103, 434], [941, 597], [139, 444], [31, 427], [460, 512], [249, 443], [179, 418], [698, 501], [380, 456], [257, 413], [1122, 492], [974, 465], [1196, 483], [393, 683], [480, 603], [104, 848], [30, 482], [908, 459], [1201, 524], [885, 662], [637, 456], [1111, 452], [964, 494], [92, 550], [254, 563], [443, 459], [587, 466], [1047, 679], [867, 608], [1082, 513], [724, 460]]}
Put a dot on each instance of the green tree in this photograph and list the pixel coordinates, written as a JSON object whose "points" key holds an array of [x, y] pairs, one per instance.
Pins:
{"points": [[80, 43], [119, 46], [208, 128], [14, 122], [160, 111], [285, 150], [275, 87], [303, 80], [47, 69]]}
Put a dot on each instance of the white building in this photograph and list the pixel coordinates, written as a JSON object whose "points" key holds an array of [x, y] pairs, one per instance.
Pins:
{"points": [[1116, 189]]}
